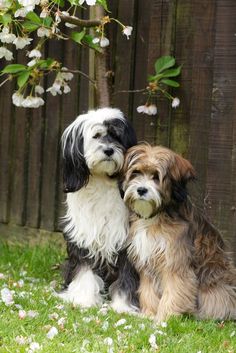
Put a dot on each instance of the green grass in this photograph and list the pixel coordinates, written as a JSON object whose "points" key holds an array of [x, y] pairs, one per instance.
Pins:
{"points": [[88, 330]]}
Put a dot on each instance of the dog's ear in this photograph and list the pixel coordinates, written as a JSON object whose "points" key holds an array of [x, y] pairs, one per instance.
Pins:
{"points": [[75, 170], [181, 172], [129, 138]]}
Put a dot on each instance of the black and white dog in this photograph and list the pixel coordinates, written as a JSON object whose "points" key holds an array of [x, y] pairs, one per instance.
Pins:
{"points": [[96, 223]]}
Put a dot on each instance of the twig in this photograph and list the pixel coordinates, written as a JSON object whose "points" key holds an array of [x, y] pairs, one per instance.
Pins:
{"points": [[82, 74], [79, 22], [131, 91], [3, 82]]}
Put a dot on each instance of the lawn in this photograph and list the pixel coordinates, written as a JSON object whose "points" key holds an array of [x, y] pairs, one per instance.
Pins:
{"points": [[32, 319]]}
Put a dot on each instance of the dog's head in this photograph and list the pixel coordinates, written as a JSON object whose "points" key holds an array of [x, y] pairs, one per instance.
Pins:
{"points": [[94, 144], [154, 178]]}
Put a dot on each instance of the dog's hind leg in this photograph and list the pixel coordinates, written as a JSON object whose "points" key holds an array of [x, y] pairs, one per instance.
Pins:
{"points": [[218, 302]]}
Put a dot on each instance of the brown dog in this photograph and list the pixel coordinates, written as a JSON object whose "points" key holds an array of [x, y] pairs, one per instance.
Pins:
{"points": [[180, 256]]}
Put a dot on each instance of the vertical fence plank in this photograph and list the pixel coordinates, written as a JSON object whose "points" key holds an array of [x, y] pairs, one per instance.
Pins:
{"points": [[123, 63], [183, 52], [221, 144], [69, 111], [140, 62], [6, 111], [161, 36], [203, 23], [18, 189], [50, 150]]}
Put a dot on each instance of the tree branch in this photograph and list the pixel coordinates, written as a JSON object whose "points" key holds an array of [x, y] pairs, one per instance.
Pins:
{"points": [[79, 22]]}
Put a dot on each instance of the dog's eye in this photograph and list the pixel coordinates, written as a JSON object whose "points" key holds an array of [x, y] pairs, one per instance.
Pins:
{"points": [[135, 173], [97, 135], [156, 178]]}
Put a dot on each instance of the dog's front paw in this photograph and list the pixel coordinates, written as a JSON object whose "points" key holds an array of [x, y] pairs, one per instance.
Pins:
{"points": [[84, 301], [120, 304]]}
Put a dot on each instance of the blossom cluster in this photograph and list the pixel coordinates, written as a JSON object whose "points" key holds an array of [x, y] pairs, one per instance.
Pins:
{"points": [[20, 19]]}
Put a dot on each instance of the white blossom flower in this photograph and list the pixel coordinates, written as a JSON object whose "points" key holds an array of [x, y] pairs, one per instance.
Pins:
{"points": [[43, 32], [88, 2], [7, 296], [39, 89], [20, 283], [127, 31], [35, 53], [22, 12], [52, 333], [32, 62], [61, 321], [32, 102], [55, 89], [152, 109], [44, 13], [34, 346], [58, 17], [105, 326], [21, 42], [17, 99], [142, 109], [21, 340], [175, 102], [32, 313], [2, 276], [28, 5], [96, 40], [53, 316], [108, 341], [66, 89], [6, 37], [147, 109], [67, 76], [120, 322], [152, 341], [22, 314], [163, 324], [104, 42], [5, 53]]}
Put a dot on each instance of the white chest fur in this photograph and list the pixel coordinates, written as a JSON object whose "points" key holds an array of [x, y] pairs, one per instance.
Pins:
{"points": [[144, 244], [97, 218]]}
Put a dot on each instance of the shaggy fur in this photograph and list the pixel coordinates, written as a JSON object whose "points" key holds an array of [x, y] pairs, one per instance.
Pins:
{"points": [[96, 223], [180, 256]]}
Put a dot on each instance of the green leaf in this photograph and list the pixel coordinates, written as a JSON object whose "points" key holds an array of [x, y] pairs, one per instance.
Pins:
{"points": [[103, 3], [61, 3], [14, 68], [172, 72], [23, 78], [45, 64], [33, 17], [5, 19], [47, 21], [88, 39], [164, 63], [171, 83], [29, 26], [154, 78], [78, 36]]}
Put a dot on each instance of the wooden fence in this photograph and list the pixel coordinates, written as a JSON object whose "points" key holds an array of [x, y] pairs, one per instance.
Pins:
{"points": [[202, 36]]}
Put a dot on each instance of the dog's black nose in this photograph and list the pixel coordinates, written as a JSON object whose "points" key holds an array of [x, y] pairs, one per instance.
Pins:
{"points": [[109, 151], [142, 191]]}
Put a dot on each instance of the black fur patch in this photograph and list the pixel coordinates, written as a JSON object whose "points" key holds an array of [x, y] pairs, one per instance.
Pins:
{"points": [[122, 132], [75, 170]]}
